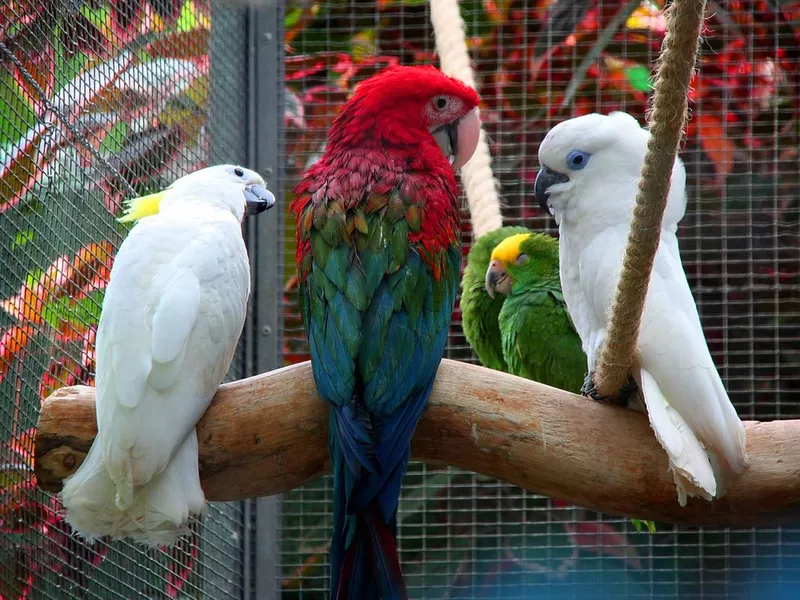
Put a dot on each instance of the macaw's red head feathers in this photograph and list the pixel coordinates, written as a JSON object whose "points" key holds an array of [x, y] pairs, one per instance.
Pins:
{"points": [[412, 109]]}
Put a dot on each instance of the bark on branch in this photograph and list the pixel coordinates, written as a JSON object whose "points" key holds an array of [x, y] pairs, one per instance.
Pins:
{"points": [[268, 434]]}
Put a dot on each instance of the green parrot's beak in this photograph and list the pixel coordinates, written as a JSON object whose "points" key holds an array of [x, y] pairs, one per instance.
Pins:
{"points": [[497, 279]]}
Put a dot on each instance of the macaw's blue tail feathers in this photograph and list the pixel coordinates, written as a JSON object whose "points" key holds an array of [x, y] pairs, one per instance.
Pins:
{"points": [[371, 565], [354, 433]]}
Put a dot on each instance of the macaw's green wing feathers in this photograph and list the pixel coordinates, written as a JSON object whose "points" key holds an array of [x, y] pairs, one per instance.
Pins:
{"points": [[479, 311], [407, 326], [539, 341], [377, 307]]}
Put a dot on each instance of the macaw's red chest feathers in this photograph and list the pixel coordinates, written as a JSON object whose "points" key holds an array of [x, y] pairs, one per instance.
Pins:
{"points": [[344, 195]]}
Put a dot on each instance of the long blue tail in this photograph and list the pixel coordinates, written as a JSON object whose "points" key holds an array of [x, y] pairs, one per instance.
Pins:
{"points": [[365, 564]]}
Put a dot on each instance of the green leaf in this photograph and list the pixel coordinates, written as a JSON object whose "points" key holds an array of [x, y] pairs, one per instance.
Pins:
{"points": [[638, 523], [22, 237], [188, 19], [639, 78], [31, 279], [115, 140], [82, 313], [292, 18], [96, 16], [16, 114]]}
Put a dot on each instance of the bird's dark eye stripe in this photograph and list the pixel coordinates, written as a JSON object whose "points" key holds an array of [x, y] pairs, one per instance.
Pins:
{"points": [[238, 172]]}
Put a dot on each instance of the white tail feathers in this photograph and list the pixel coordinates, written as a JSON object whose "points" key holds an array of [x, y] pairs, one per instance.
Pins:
{"points": [[688, 461], [156, 515]]}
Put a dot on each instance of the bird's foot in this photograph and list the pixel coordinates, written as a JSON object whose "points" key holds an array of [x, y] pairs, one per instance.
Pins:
{"points": [[623, 398]]}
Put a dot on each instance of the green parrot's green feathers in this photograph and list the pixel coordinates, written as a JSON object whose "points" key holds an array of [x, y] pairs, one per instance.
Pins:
{"points": [[538, 338]]}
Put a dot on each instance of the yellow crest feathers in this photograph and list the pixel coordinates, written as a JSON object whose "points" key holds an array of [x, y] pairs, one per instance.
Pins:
{"points": [[144, 206], [508, 250]]}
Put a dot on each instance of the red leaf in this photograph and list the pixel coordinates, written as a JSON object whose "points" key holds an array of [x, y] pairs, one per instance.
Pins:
{"points": [[16, 14], [19, 571], [181, 563], [61, 372], [20, 512], [27, 305], [602, 539], [185, 45], [12, 342], [720, 149], [41, 67], [21, 167], [305, 65], [70, 555]]}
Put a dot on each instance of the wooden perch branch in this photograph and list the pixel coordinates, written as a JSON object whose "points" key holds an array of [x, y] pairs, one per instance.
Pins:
{"points": [[268, 434]]}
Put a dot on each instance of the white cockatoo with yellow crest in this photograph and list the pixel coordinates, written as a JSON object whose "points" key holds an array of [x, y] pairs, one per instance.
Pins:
{"points": [[172, 315], [590, 168]]}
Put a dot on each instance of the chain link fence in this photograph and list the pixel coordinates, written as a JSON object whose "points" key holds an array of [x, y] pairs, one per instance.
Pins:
{"points": [[100, 101], [466, 536]]}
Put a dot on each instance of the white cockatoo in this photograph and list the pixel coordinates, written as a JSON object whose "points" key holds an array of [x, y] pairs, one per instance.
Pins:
{"points": [[172, 314], [589, 176]]}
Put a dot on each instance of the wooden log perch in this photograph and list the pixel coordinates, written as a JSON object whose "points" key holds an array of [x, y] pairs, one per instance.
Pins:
{"points": [[268, 434]]}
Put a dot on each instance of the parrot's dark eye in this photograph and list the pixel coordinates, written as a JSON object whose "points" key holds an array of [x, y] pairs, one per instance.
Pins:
{"points": [[577, 160], [522, 259], [441, 103], [238, 172]]}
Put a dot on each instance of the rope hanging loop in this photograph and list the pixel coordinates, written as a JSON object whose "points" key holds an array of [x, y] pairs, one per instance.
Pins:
{"points": [[480, 185], [667, 121]]}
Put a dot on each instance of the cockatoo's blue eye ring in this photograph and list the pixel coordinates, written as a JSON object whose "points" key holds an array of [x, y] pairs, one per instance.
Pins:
{"points": [[577, 160]]}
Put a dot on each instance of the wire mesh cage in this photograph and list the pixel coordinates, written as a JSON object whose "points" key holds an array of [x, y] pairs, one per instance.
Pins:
{"points": [[102, 100], [467, 536], [99, 101]]}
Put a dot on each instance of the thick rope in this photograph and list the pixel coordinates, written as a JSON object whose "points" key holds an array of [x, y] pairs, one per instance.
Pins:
{"points": [[667, 121], [479, 182]]}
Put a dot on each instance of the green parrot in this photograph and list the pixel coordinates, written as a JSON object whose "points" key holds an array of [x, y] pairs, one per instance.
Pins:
{"points": [[539, 340], [513, 313]]}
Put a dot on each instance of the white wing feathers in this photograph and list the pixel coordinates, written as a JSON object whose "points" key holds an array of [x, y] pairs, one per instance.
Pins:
{"points": [[687, 459], [175, 316], [173, 312]]}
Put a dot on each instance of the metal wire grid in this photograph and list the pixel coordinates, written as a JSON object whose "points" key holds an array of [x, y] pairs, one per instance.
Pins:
{"points": [[465, 536], [97, 102]]}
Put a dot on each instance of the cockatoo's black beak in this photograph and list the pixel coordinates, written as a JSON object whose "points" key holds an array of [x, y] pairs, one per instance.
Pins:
{"points": [[258, 199], [544, 180], [497, 280]]}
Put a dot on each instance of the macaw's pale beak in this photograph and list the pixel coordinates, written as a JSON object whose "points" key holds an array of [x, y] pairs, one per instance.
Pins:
{"points": [[459, 139], [258, 199], [497, 280]]}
